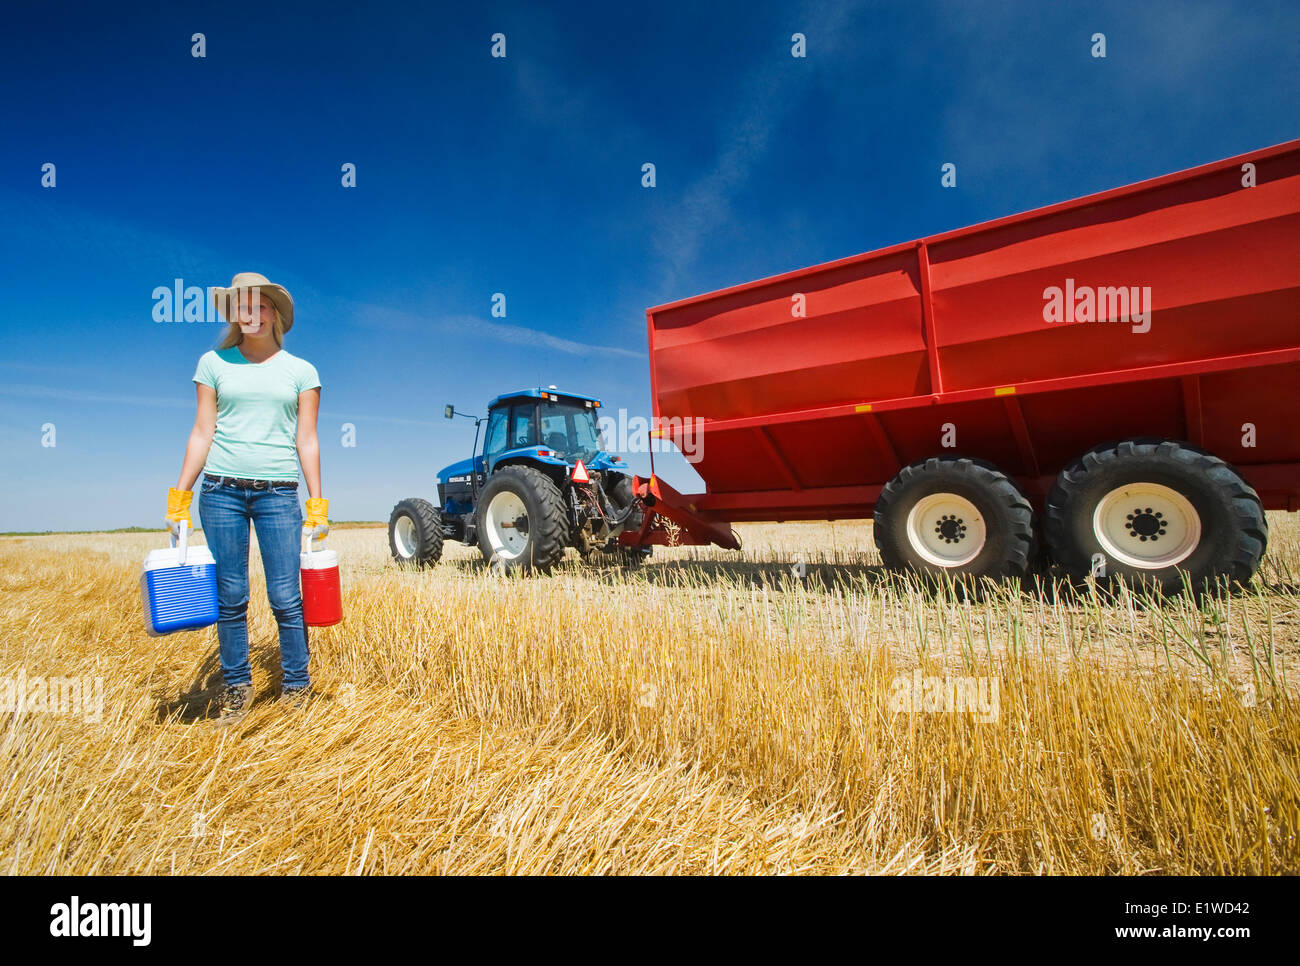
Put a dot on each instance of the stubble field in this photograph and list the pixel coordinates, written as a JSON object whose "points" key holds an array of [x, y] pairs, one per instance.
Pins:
{"points": [[711, 712]]}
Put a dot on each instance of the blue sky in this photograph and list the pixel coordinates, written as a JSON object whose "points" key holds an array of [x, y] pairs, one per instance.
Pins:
{"points": [[522, 175]]}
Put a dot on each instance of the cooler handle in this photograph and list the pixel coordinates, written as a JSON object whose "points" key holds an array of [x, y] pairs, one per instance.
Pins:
{"points": [[183, 527]]}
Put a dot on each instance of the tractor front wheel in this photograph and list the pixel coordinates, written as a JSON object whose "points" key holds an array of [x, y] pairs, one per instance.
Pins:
{"points": [[415, 532], [521, 520]]}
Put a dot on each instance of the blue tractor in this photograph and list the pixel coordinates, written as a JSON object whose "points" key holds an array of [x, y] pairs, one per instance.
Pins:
{"points": [[543, 482]]}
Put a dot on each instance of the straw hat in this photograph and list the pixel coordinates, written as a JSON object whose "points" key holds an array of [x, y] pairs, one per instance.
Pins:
{"points": [[279, 297]]}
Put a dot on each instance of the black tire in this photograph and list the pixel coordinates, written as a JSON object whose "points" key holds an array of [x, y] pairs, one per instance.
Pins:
{"points": [[1233, 531], [621, 495], [1006, 514], [421, 542], [544, 521]]}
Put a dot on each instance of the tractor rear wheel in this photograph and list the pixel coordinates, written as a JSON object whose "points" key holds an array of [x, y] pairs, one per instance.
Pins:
{"points": [[950, 515], [1152, 511], [415, 532], [521, 520]]}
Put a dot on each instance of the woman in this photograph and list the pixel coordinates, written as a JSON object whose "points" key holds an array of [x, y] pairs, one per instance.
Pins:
{"points": [[256, 423]]}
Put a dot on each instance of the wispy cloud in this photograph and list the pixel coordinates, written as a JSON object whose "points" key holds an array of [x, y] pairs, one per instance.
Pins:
{"points": [[520, 335], [1009, 69], [765, 97], [400, 320], [565, 106], [82, 395], [393, 420], [72, 230], [30, 367], [153, 402]]}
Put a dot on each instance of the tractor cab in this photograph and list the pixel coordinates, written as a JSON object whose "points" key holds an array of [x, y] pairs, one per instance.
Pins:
{"points": [[550, 429], [542, 424]]}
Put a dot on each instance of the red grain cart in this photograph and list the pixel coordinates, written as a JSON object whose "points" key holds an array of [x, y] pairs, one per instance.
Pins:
{"points": [[1109, 380]]}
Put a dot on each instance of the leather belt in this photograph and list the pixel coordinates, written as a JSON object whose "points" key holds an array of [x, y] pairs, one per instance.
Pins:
{"points": [[246, 484]]}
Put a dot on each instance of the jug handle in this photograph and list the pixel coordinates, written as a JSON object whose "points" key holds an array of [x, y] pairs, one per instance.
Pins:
{"points": [[310, 543]]}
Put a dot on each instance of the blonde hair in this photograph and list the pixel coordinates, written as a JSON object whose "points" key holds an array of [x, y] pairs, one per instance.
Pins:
{"points": [[233, 334]]}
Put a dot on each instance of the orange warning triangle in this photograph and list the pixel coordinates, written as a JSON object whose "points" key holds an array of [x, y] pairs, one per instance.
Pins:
{"points": [[580, 473]]}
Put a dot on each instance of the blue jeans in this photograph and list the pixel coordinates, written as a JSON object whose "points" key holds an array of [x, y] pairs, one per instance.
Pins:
{"points": [[225, 511]]}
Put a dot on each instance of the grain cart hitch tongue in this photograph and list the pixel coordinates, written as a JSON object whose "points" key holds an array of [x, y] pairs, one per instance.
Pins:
{"points": [[671, 518], [540, 482]]}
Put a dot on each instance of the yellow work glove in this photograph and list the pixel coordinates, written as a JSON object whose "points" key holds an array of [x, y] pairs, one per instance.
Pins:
{"points": [[178, 509], [317, 517]]}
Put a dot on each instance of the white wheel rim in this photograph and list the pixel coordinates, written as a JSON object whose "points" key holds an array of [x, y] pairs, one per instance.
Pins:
{"points": [[505, 538], [1147, 526], [946, 530], [404, 537]]}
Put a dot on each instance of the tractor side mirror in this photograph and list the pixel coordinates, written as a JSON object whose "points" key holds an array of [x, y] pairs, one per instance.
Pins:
{"points": [[449, 411]]}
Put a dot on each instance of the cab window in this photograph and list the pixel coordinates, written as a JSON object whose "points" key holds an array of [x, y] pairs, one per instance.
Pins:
{"points": [[494, 443], [523, 425]]}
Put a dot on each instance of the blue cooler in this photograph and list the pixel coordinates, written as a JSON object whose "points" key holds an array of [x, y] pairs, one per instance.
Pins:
{"points": [[178, 585]]}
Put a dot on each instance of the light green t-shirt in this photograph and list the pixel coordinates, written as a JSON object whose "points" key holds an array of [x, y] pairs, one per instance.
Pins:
{"points": [[257, 412]]}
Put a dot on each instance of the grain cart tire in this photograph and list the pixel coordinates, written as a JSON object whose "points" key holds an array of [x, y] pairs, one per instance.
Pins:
{"points": [[1155, 510], [521, 520], [955, 516], [415, 532]]}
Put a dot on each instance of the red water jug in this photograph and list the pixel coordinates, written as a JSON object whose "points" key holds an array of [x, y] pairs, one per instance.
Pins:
{"points": [[322, 597]]}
